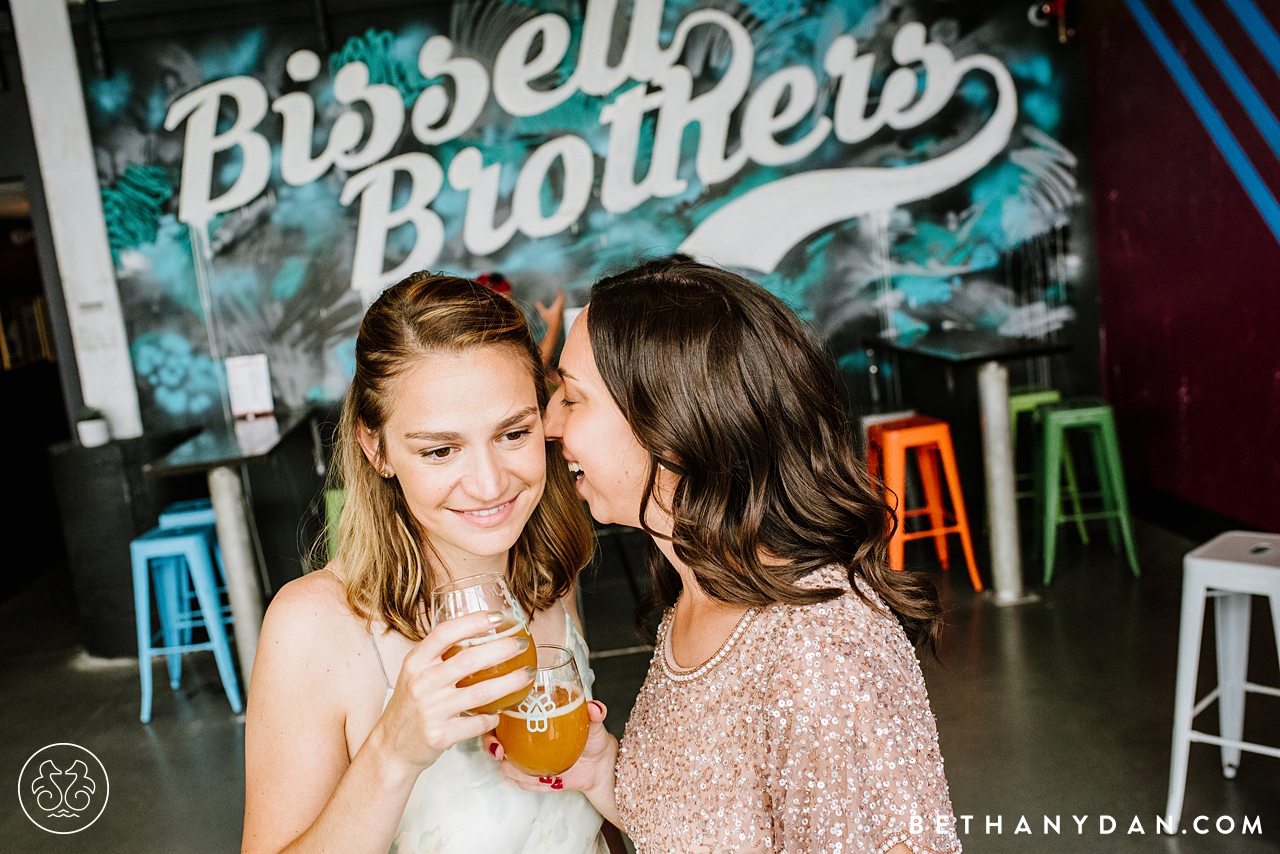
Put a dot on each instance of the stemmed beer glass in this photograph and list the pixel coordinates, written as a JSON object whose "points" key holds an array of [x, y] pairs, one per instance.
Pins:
{"points": [[486, 593], [547, 732]]}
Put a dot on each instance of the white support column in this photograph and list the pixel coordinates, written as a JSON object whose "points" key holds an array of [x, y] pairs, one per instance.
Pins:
{"points": [[1002, 501], [61, 129], [226, 490]]}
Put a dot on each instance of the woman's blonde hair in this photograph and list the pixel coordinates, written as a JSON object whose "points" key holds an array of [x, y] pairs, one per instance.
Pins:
{"points": [[388, 571]]}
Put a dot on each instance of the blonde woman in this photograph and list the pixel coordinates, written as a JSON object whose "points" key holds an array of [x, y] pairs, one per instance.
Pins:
{"points": [[357, 737]]}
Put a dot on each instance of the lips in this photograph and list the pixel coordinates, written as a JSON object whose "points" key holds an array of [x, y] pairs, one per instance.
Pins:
{"points": [[488, 517], [576, 471], [485, 513]]}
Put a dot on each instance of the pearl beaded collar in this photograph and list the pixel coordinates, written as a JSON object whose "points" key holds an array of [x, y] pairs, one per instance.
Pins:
{"points": [[674, 675]]}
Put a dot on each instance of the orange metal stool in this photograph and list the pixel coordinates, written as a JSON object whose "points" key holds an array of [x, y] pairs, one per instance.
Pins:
{"points": [[887, 445]]}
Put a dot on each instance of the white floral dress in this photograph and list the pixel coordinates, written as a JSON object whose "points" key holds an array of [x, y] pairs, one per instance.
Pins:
{"points": [[463, 805]]}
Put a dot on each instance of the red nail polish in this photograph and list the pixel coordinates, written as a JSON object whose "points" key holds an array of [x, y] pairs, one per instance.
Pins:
{"points": [[545, 779], [493, 748], [558, 784]]}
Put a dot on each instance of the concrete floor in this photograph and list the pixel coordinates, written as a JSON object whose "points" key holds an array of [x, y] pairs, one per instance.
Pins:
{"points": [[1061, 708]]}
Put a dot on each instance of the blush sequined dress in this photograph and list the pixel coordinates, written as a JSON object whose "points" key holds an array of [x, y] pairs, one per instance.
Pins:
{"points": [[808, 731]]}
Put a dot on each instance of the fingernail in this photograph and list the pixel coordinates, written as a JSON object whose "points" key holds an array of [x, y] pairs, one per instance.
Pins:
{"points": [[531, 672], [496, 617], [558, 784], [598, 705], [493, 748], [545, 779], [523, 643]]}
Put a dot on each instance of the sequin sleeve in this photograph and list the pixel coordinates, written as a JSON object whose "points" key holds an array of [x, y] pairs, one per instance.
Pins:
{"points": [[853, 762]]}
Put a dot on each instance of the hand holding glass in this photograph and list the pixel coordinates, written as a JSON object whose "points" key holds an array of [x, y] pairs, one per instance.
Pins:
{"points": [[486, 593], [547, 732]]}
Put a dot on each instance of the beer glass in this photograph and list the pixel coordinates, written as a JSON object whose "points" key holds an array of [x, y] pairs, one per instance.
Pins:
{"points": [[485, 593], [547, 732]]}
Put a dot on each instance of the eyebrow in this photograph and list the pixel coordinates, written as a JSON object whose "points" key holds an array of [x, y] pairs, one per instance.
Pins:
{"points": [[453, 436]]}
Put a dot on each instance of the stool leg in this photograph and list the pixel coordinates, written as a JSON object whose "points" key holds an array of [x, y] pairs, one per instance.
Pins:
{"points": [[1111, 443], [1037, 486], [895, 482], [1105, 487], [1275, 619], [948, 456], [1231, 628], [142, 615], [221, 578], [1073, 489], [185, 595], [1184, 697], [1014, 415], [1051, 460], [166, 573], [222, 570], [930, 481], [202, 577]]}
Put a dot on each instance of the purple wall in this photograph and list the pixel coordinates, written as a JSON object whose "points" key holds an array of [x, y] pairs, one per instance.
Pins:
{"points": [[1189, 272]]}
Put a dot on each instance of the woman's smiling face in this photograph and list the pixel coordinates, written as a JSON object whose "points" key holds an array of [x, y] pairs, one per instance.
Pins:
{"points": [[610, 465], [464, 438]]}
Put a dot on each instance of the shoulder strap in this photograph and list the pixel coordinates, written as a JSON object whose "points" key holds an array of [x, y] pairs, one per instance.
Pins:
{"points": [[570, 628], [378, 657]]}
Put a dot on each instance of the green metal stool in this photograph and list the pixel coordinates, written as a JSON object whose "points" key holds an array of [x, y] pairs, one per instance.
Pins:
{"points": [[1025, 401], [1094, 415]]}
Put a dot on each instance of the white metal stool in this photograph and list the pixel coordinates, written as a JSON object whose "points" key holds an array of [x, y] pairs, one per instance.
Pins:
{"points": [[866, 422], [1230, 568]]}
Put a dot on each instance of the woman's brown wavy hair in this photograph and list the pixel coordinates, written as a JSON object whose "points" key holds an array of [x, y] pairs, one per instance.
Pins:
{"points": [[387, 567], [722, 385]]}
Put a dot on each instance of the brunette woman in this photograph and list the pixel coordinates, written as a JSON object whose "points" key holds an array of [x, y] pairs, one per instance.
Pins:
{"points": [[357, 737], [784, 709]]}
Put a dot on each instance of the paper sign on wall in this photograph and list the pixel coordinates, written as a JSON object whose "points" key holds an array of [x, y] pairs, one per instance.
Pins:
{"points": [[249, 385]]}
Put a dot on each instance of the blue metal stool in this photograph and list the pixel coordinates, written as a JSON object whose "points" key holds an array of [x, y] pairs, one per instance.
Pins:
{"points": [[195, 513], [172, 558]]}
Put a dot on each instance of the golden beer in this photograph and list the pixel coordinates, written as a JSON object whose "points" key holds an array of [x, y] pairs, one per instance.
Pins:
{"points": [[547, 732], [526, 658]]}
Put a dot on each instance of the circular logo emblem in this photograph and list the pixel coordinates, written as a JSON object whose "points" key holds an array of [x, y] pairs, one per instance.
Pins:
{"points": [[63, 788]]}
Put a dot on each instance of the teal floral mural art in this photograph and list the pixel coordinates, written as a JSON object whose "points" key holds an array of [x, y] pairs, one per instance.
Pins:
{"points": [[111, 95], [794, 289], [232, 56], [182, 382], [375, 48], [133, 207], [999, 250]]}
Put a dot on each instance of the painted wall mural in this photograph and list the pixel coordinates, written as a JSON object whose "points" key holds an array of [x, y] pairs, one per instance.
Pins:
{"points": [[898, 164]]}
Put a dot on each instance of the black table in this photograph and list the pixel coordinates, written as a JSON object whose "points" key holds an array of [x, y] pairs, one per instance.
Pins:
{"points": [[989, 351], [219, 452]]}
